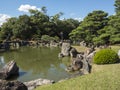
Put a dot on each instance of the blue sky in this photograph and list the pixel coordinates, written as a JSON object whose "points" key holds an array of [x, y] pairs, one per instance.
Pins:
{"points": [[71, 8]]}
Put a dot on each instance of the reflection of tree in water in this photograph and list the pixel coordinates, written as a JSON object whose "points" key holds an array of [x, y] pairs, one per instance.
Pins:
{"points": [[37, 60]]}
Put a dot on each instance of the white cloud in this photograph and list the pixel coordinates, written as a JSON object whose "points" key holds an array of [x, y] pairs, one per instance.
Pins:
{"points": [[3, 18], [27, 7], [79, 19]]}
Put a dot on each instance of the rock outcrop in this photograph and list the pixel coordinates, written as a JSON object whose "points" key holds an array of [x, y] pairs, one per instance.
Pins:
{"points": [[81, 61], [65, 49], [8, 70]]}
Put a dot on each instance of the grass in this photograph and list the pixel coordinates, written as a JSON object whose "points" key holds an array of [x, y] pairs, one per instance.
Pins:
{"points": [[103, 77], [80, 48]]}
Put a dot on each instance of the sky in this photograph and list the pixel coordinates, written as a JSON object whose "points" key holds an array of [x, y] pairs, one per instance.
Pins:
{"points": [[76, 9]]}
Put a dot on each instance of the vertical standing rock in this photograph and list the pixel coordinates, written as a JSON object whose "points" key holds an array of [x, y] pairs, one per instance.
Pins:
{"points": [[65, 51]]}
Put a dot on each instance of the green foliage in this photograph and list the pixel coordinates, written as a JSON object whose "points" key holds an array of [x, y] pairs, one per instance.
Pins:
{"points": [[112, 30], [98, 41], [102, 39], [97, 27], [45, 38], [115, 39], [106, 56], [89, 27], [117, 5], [48, 38], [7, 28], [22, 28], [36, 24]]}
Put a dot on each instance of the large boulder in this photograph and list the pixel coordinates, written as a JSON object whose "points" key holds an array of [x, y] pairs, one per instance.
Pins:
{"points": [[12, 85], [9, 70]]}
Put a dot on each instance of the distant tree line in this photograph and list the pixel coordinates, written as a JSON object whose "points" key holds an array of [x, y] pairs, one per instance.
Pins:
{"points": [[37, 25], [97, 27]]}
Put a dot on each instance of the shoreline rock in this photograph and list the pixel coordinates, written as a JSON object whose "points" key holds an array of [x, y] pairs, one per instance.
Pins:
{"points": [[38, 82], [8, 70]]}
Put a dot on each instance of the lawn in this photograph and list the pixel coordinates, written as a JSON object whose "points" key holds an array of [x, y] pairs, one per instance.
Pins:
{"points": [[103, 77]]}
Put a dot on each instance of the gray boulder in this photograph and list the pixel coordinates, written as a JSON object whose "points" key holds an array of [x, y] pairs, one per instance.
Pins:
{"points": [[65, 49], [8, 70]]}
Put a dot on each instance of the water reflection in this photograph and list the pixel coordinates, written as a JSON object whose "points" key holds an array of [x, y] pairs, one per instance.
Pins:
{"points": [[38, 63]]}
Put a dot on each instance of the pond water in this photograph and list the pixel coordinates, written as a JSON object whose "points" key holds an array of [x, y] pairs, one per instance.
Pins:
{"points": [[37, 63]]}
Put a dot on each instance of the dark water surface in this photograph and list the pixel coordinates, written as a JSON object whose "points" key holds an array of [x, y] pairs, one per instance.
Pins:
{"points": [[37, 63]]}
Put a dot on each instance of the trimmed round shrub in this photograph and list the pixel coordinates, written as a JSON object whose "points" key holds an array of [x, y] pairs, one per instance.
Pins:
{"points": [[106, 56]]}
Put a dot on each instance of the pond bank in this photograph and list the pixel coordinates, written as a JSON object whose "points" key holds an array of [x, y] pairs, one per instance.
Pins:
{"points": [[103, 77], [106, 78]]}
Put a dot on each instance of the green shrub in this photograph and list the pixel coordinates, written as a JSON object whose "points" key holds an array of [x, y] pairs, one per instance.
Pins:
{"points": [[106, 56]]}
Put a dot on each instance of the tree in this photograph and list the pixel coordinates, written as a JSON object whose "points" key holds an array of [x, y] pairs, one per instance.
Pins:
{"points": [[40, 22], [113, 29], [44, 10], [7, 28], [110, 34], [22, 28], [89, 27], [117, 6], [58, 25], [68, 26]]}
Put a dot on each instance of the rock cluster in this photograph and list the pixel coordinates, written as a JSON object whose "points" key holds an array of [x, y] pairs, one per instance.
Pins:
{"points": [[79, 60]]}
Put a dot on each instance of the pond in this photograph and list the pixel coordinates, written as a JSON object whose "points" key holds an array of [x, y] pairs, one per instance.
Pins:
{"points": [[37, 63]]}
